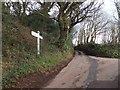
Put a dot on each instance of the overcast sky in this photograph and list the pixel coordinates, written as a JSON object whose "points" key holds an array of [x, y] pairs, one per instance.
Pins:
{"points": [[109, 8]]}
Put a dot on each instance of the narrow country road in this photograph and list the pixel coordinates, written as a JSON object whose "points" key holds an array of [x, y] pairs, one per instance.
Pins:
{"points": [[87, 72]]}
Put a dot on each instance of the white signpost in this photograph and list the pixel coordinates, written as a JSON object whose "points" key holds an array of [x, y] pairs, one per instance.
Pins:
{"points": [[38, 39]]}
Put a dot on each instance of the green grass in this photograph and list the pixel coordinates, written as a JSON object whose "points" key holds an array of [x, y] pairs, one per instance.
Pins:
{"points": [[42, 64], [20, 58]]}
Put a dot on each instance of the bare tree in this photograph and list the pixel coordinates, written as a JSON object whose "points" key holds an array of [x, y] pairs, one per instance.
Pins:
{"points": [[94, 26], [19, 8], [69, 14], [117, 3]]}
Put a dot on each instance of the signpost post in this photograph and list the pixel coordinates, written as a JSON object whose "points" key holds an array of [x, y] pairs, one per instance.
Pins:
{"points": [[38, 40]]}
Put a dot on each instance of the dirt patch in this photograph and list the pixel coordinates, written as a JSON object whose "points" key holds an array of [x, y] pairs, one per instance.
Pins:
{"points": [[38, 79], [7, 64]]}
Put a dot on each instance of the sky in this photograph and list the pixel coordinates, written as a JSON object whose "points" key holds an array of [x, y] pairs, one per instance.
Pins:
{"points": [[109, 10], [108, 6]]}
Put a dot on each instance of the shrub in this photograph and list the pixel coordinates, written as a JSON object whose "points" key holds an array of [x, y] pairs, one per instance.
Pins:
{"points": [[99, 50]]}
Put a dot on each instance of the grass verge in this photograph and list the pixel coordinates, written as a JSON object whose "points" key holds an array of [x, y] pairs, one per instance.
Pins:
{"points": [[100, 50]]}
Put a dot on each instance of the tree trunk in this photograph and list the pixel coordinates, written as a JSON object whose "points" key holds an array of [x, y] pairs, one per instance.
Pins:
{"points": [[63, 34], [63, 25], [92, 37], [24, 8], [87, 41], [84, 36], [119, 32]]}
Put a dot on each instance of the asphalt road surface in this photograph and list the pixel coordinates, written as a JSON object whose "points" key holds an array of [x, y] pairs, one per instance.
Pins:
{"points": [[87, 72]]}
